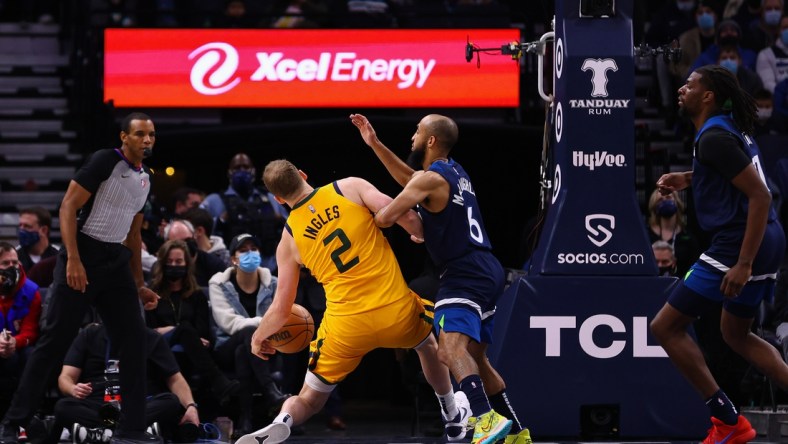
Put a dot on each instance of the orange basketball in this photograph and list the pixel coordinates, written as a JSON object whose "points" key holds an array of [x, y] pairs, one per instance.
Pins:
{"points": [[297, 332]]}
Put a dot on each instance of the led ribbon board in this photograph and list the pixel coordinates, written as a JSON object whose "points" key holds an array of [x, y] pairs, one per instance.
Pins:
{"points": [[306, 68]]}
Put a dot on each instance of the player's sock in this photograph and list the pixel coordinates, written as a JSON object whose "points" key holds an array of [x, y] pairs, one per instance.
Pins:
{"points": [[722, 408], [474, 389], [285, 418], [500, 403], [448, 406]]}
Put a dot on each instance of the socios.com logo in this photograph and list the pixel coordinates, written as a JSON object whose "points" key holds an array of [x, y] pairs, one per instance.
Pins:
{"points": [[214, 68], [600, 228]]}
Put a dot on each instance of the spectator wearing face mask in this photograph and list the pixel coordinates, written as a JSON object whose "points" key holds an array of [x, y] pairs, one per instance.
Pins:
{"points": [[665, 257], [246, 208], [772, 63], [20, 309], [695, 41], [35, 224], [765, 31], [182, 317], [667, 222], [205, 264], [730, 59], [239, 297], [728, 34], [768, 122]]}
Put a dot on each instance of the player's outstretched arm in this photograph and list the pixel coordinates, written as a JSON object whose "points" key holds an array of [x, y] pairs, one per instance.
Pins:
{"points": [[364, 193], [276, 316], [398, 169]]}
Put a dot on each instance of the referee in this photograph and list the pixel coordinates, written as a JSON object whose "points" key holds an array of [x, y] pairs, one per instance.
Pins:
{"points": [[99, 264]]}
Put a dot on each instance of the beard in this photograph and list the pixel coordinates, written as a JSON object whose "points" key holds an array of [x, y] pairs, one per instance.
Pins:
{"points": [[416, 159]]}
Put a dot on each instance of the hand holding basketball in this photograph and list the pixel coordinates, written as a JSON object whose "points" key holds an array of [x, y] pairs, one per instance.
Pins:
{"points": [[297, 332]]}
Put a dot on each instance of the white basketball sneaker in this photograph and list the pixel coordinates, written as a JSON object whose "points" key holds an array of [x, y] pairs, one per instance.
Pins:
{"points": [[455, 428], [272, 434]]}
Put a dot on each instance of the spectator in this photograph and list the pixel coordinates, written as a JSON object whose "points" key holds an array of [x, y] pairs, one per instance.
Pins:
{"points": [[667, 222], [731, 60], [239, 298], [185, 199], [765, 31], [671, 21], [696, 40], [43, 272], [744, 13], [182, 316], [768, 122], [203, 227], [772, 63], [20, 307], [244, 208], [89, 380], [35, 224], [665, 257], [780, 100], [205, 264], [728, 34]]}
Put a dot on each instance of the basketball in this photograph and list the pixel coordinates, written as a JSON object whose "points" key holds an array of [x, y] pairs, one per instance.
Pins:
{"points": [[297, 332]]}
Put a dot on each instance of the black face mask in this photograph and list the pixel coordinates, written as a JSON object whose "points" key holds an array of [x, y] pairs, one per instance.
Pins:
{"points": [[10, 279], [192, 244], [667, 271], [174, 272]]}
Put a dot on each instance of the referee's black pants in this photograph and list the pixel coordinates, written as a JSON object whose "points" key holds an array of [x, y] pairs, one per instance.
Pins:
{"points": [[112, 290]]}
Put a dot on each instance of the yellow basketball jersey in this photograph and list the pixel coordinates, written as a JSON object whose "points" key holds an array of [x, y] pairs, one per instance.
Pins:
{"points": [[346, 252]]}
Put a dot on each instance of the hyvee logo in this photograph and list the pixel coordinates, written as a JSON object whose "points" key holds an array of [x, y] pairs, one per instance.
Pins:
{"points": [[599, 78], [597, 159], [216, 63], [598, 233]]}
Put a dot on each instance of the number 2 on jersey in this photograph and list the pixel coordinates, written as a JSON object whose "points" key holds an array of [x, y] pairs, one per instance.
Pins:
{"points": [[343, 247]]}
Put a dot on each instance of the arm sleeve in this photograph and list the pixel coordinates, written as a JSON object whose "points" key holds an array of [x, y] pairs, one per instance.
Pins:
{"points": [[722, 151]]}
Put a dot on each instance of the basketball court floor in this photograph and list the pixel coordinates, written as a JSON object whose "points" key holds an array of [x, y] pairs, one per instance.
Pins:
{"points": [[370, 422]]}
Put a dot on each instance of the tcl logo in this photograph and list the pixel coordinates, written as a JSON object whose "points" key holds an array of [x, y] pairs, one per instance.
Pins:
{"points": [[597, 159], [554, 325], [216, 63]]}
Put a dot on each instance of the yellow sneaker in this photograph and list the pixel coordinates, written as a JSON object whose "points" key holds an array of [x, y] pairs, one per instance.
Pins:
{"points": [[524, 437], [490, 428]]}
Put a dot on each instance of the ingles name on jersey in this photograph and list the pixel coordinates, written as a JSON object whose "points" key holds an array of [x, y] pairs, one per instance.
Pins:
{"points": [[319, 221]]}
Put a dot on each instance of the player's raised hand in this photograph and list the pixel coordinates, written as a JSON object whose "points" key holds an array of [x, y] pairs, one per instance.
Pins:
{"points": [[365, 128]]}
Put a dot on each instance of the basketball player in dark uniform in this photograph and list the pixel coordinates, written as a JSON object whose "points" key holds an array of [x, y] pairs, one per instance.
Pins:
{"points": [[100, 220], [733, 203], [471, 278]]}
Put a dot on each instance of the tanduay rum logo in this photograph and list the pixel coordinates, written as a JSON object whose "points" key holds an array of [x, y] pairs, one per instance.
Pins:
{"points": [[215, 66], [599, 104]]}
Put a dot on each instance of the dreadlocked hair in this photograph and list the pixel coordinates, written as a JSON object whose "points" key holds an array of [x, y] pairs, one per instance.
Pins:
{"points": [[729, 97]]}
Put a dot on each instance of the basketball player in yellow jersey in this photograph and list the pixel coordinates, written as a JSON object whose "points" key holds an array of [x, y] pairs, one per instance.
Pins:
{"points": [[331, 231]]}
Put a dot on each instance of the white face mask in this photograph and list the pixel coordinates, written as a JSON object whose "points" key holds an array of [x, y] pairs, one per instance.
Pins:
{"points": [[764, 113]]}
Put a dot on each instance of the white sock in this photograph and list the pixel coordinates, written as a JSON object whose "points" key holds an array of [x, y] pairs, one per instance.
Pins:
{"points": [[284, 418], [447, 404]]}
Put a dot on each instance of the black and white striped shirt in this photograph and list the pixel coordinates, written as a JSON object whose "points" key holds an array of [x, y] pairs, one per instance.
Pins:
{"points": [[118, 192]]}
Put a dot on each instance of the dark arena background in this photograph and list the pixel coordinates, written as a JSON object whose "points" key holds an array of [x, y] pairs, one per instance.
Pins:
{"points": [[564, 143]]}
